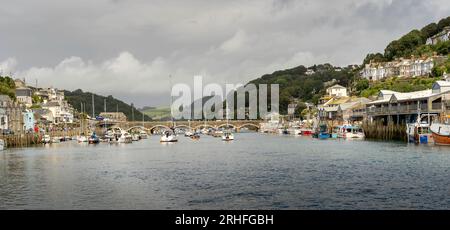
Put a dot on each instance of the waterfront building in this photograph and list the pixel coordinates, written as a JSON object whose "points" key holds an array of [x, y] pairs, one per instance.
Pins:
{"points": [[398, 107], [114, 116], [442, 36], [24, 96], [43, 116], [11, 114], [28, 120], [352, 111]]}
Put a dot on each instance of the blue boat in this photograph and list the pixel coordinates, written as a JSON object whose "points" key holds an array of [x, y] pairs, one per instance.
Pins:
{"points": [[323, 132], [93, 139]]}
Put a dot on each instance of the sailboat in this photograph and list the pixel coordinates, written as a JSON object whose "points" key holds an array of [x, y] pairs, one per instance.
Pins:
{"points": [[81, 138], [227, 135], [169, 135]]}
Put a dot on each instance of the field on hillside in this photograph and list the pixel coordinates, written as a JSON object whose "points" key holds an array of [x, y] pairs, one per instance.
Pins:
{"points": [[159, 113]]}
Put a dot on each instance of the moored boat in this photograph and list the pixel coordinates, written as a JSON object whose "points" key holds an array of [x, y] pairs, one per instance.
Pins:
{"points": [[227, 136], [441, 133], [322, 132], [93, 139], [125, 137], [419, 133], [143, 135], [46, 139], [169, 136], [135, 137]]}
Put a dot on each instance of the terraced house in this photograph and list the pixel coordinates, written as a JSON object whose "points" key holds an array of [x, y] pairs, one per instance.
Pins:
{"points": [[413, 67]]}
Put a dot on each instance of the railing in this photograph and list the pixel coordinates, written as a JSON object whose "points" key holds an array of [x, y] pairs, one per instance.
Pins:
{"points": [[436, 106]]}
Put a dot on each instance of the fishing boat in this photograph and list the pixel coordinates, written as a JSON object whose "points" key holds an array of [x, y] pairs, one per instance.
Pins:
{"points": [[441, 132], [322, 132], [93, 139], [419, 133], [354, 132], [125, 137], [169, 136]]}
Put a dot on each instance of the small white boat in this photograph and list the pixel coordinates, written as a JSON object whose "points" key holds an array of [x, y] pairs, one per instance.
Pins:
{"points": [[56, 140], [143, 135], [135, 137], [227, 136], [169, 136], [46, 139], [2, 145], [188, 133], [351, 132], [205, 131], [82, 139], [125, 137]]}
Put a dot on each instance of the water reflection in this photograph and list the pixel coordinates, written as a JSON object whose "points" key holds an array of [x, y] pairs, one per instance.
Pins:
{"points": [[253, 172]]}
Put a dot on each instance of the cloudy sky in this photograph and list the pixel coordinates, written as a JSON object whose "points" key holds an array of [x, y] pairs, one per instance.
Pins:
{"points": [[128, 48]]}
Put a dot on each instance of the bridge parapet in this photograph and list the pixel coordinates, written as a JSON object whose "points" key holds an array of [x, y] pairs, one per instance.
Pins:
{"points": [[149, 125]]}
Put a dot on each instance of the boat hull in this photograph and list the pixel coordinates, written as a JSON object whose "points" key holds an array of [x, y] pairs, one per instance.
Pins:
{"points": [[441, 139], [168, 139]]}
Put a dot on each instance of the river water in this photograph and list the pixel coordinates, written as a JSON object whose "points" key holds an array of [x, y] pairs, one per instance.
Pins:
{"points": [[254, 172]]}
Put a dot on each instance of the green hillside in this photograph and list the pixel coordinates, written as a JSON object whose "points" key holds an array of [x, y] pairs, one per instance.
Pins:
{"points": [[295, 84], [158, 113], [414, 43], [75, 98], [7, 87]]}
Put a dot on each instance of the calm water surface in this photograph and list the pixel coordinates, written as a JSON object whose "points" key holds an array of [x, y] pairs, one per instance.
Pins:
{"points": [[254, 172]]}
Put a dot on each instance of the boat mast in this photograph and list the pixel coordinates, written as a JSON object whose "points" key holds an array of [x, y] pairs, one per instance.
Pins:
{"points": [[171, 102], [93, 106]]}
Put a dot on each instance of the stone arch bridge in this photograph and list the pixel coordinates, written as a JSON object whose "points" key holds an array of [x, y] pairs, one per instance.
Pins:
{"points": [[152, 125]]}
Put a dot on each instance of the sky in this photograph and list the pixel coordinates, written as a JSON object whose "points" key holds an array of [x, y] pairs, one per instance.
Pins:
{"points": [[128, 49]]}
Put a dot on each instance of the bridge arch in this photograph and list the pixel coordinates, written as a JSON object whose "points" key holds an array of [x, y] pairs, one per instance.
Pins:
{"points": [[204, 126], [247, 125], [138, 128], [182, 126], [158, 126], [226, 126]]}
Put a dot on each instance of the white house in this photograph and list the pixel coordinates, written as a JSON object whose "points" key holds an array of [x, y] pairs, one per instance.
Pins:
{"points": [[442, 36], [337, 91]]}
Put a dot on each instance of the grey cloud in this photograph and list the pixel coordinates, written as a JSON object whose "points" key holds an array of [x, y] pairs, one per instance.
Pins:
{"points": [[103, 45]]}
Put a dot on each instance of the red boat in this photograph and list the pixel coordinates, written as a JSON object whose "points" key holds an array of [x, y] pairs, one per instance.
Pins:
{"points": [[306, 132]]}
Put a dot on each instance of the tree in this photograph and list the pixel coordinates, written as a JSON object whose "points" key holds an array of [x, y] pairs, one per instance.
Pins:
{"points": [[429, 30], [378, 57]]}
